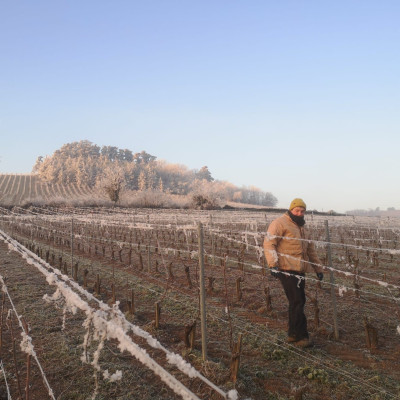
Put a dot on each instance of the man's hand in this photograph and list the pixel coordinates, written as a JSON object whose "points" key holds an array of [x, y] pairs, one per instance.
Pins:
{"points": [[320, 276], [274, 271]]}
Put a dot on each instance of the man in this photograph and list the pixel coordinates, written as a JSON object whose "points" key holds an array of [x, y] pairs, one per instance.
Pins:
{"points": [[289, 256]]}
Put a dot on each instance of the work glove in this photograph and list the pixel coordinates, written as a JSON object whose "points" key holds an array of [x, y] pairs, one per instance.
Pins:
{"points": [[274, 271], [320, 276]]}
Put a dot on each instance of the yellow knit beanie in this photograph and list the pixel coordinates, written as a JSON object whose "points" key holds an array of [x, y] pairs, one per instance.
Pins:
{"points": [[297, 203]]}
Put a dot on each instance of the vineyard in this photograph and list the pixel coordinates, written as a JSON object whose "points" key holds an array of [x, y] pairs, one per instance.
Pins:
{"points": [[21, 189], [103, 303]]}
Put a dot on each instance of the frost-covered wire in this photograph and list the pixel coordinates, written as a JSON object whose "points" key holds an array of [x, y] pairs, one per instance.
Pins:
{"points": [[5, 380], [26, 342]]}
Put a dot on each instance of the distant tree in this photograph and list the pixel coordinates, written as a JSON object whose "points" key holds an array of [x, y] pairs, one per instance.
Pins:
{"points": [[269, 200], [151, 177], [143, 158], [125, 155], [110, 152], [38, 164], [160, 185], [204, 173], [142, 181]]}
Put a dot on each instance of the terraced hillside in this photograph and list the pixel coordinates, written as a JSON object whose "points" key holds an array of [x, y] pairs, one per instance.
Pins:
{"points": [[20, 189]]}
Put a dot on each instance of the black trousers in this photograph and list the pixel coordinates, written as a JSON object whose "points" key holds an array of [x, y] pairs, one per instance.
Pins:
{"points": [[295, 293]]}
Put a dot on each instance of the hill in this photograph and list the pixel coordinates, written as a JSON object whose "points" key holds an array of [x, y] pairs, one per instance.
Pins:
{"points": [[83, 173]]}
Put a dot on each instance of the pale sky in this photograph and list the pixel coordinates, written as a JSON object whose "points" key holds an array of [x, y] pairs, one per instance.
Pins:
{"points": [[299, 98]]}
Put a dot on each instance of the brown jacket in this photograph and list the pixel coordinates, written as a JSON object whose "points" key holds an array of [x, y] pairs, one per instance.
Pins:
{"points": [[283, 250]]}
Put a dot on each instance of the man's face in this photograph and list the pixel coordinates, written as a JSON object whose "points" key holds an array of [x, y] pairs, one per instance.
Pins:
{"points": [[298, 211]]}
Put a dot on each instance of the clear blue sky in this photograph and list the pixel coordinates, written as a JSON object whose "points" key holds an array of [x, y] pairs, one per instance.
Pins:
{"points": [[299, 98]]}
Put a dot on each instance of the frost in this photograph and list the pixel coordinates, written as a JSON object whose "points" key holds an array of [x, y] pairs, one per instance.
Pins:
{"points": [[194, 254], [260, 252], [233, 395], [117, 376], [51, 279], [26, 344], [184, 366], [384, 284], [342, 290]]}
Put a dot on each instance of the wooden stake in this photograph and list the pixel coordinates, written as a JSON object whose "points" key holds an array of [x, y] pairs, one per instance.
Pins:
{"points": [[170, 274], [371, 334], [190, 332], [85, 274], [268, 302], [132, 303], [97, 285], [314, 301], [332, 281], [1, 320], [235, 361], [75, 274], [202, 293], [130, 256], [157, 314], [148, 259], [211, 284], [238, 289], [28, 363], [187, 272], [15, 357], [113, 299]]}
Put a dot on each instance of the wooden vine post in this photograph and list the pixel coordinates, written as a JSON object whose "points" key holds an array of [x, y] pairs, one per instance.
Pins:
{"points": [[236, 351], [1, 320], [332, 281], [190, 334], [148, 259], [132, 303], [187, 272], [85, 274], [75, 272], [157, 314], [238, 288], [72, 242], [97, 285], [28, 363], [113, 298], [202, 294], [268, 302], [371, 334]]}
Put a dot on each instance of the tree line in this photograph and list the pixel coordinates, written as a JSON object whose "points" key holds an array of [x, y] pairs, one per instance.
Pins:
{"points": [[113, 170]]}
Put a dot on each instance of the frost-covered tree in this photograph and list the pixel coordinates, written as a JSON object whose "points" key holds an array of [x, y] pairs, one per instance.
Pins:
{"points": [[85, 163], [112, 183]]}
